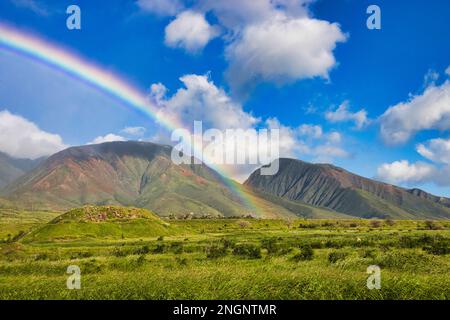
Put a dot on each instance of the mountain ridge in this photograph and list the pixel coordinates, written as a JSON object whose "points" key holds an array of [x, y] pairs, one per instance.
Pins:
{"points": [[325, 185]]}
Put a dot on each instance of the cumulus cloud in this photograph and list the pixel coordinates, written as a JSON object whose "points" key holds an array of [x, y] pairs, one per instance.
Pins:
{"points": [[134, 131], [447, 71], [314, 131], [319, 146], [110, 137], [273, 41], [161, 7], [342, 114], [189, 31], [22, 138], [282, 50], [429, 110], [403, 172], [436, 150], [438, 172], [201, 99]]}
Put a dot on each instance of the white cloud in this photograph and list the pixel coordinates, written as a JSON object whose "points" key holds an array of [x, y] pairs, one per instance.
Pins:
{"points": [[32, 5], [202, 100], [236, 14], [265, 41], [161, 7], [430, 77], [334, 137], [282, 50], [436, 150], [110, 137], [429, 110], [189, 31], [342, 114], [134, 131], [319, 146], [22, 138], [447, 71], [403, 172], [314, 131]]}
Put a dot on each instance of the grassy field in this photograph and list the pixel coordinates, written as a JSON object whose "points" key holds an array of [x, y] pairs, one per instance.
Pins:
{"points": [[143, 257]]}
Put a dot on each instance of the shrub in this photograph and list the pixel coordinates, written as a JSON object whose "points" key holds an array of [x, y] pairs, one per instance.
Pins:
{"points": [[368, 253], [80, 255], [160, 248], [306, 253], [117, 252], [438, 248], [414, 242], [142, 250], [250, 251], [375, 223], [160, 238], [140, 260], [328, 224], [333, 244], [243, 224], [176, 247], [336, 256], [389, 222], [431, 225], [182, 261], [41, 256], [214, 252], [227, 243], [270, 245]]}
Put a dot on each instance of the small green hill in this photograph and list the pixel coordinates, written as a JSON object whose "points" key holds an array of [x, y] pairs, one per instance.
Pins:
{"points": [[102, 222]]}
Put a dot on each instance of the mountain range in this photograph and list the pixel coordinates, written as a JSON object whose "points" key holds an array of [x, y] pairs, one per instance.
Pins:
{"points": [[325, 185], [12, 168], [141, 174]]}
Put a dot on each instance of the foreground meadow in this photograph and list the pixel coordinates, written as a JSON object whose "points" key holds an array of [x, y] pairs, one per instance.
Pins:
{"points": [[225, 259]]}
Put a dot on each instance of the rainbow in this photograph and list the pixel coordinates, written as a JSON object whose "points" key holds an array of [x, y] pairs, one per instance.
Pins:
{"points": [[103, 80]]}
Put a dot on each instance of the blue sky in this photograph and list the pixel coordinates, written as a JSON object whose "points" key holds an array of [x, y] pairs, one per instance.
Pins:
{"points": [[402, 67]]}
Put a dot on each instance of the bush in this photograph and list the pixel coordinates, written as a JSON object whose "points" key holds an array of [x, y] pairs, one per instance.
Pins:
{"points": [[41, 256], [270, 245], [227, 243], [177, 247], [306, 253], [431, 225], [375, 223], [414, 242], [160, 248], [80, 255], [214, 252], [368, 253], [336, 256], [117, 252], [247, 250], [438, 248], [243, 224], [142, 250]]}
